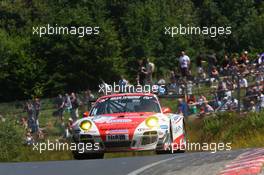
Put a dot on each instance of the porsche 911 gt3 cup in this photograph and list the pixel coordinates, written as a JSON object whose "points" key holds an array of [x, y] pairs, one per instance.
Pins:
{"points": [[129, 122]]}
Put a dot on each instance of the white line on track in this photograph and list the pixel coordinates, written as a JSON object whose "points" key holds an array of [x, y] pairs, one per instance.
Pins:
{"points": [[152, 165]]}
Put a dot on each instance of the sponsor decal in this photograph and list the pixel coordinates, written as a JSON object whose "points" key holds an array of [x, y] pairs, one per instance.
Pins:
{"points": [[119, 121], [163, 126], [176, 117], [177, 129], [90, 132], [102, 119], [142, 129], [116, 131]]}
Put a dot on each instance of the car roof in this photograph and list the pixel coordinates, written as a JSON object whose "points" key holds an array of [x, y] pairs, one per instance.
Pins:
{"points": [[125, 94]]}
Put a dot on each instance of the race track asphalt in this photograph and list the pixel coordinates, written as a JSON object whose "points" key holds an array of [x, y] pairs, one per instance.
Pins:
{"points": [[181, 163]]}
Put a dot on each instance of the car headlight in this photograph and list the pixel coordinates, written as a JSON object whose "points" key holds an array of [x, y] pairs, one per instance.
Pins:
{"points": [[85, 125], [152, 122]]}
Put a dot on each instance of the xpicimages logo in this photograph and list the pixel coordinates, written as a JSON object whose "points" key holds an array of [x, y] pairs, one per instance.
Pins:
{"points": [[80, 31], [60, 146], [116, 88]]}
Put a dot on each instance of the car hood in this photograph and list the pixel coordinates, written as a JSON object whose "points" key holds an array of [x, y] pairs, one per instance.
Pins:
{"points": [[120, 120]]}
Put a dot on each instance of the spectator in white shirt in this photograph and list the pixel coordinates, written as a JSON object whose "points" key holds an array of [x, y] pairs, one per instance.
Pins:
{"points": [[185, 62], [243, 83], [261, 102], [150, 67]]}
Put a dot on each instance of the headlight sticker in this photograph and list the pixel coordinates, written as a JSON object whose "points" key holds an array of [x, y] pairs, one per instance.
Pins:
{"points": [[152, 122], [86, 125]]}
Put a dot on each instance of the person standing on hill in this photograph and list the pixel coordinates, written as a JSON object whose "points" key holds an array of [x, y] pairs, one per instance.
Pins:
{"points": [[211, 61], [37, 107], [142, 73], [150, 67], [60, 102], [185, 63], [29, 108], [88, 99], [67, 102], [198, 63], [75, 106]]}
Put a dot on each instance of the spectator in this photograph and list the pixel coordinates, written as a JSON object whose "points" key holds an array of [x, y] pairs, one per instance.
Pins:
{"points": [[89, 97], [185, 63], [60, 107], [230, 84], [161, 85], [191, 99], [201, 76], [24, 122], [231, 104], [212, 61], [142, 73], [243, 83], [182, 107], [37, 106], [161, 81], [234, 62], [31, 116], [189, 87], [243, 69], [75, 105], [122, 84], [252, 107], [202, 99], [259, 77], [222, 87], [244, 58], [192, 104], [198, 62], [208, 108], [241, 59], [67, 101], [261, 102], [172, 76], [225, 66], [260, 59], [173, 86], [150, 67], [214, 74], [29, 139], [40, 135], [68, 129]]}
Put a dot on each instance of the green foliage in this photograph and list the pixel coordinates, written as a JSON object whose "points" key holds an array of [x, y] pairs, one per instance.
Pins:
{"points": [[129, 30], [11, 139], [230, 126]]}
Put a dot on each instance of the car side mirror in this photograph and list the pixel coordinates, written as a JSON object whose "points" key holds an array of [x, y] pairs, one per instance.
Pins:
{"points": [[166, 110]]}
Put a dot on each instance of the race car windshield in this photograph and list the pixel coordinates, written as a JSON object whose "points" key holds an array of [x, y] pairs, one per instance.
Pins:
{"points": [[125, 104]]}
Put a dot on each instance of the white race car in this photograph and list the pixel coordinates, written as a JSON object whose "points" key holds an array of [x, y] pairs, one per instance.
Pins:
{"points": [[128, 122]]}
